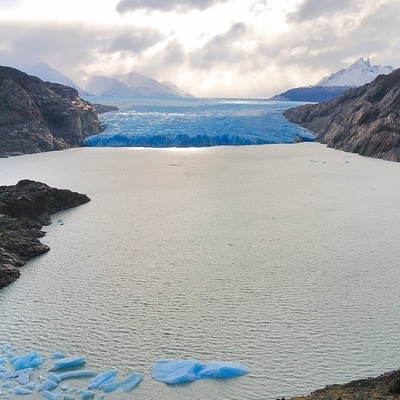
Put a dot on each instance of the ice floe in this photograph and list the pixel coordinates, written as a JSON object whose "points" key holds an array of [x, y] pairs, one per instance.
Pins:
{"points": [[29, 373], [180, 371]]}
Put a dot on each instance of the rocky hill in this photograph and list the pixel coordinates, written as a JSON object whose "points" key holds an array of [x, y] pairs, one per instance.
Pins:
{"points": [[383, 387], [358, 74], [37, 116], [364, 120], [24, 208]]}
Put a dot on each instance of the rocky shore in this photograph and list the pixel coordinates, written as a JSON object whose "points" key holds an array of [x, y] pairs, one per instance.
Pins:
{"points": [[386, 386], [364, 120], [24, 209], [37, 116]]}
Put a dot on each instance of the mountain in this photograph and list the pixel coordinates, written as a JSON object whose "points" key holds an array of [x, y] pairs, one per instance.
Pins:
{"points": [[131, 84], [363, 120], [358, 74], [48, 74], [37, 116]]}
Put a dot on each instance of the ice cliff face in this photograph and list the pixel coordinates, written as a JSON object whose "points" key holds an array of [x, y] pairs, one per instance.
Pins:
{"points": [[37, 116], [364, 120]]}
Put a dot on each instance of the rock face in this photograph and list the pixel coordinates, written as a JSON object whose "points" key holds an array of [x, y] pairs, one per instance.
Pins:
{"points": [[364, 120], [37, 116], [386, 386], [24, 208]]}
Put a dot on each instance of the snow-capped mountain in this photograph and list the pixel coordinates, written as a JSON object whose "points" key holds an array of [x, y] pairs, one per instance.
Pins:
{"points": [[48, 74], [358, 74], [132, 84]]}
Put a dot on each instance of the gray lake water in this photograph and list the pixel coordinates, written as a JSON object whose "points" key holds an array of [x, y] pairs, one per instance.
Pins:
{"points": [[285, 258]]}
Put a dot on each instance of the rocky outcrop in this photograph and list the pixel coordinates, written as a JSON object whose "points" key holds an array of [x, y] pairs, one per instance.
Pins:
{"points": [[37, 116], [24, 208], [386, 386], [363, 120]]}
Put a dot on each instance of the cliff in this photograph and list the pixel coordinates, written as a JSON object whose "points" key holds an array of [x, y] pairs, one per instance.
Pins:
{"points": [[37, 116], [24, 208], [364, 120]]}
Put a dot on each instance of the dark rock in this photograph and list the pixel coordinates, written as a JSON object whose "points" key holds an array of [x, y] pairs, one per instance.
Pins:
{"points": [[24, 208], [364, 120], [37, 116], [102, 108]]}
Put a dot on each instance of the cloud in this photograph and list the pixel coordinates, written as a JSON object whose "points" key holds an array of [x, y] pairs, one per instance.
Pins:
{"points": [[223, 48], [135, 40], [166, 5], [311, 9]]}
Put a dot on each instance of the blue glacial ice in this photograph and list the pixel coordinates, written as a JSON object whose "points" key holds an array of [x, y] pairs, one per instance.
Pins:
{"points": [[103, 378], [68, 362], [48, 380], [21, 376], [181, 371], [198, 123], [28, 360], [21, 390]]}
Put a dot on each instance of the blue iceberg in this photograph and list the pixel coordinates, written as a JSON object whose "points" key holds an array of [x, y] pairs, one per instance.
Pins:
{"points": [[131, 381], [21, 376], [181, 371], [103, 378], [68, 362], [28, 360]]}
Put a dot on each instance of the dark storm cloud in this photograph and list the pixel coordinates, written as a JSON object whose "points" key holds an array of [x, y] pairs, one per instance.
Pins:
{"points": [[311, 9], [165, 5], [221, 48]]}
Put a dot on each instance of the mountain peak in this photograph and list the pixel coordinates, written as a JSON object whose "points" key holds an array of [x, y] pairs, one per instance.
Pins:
{"points": [[358, 74]]}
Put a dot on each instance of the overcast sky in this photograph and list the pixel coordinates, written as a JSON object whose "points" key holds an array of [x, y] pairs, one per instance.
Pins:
{"points": [[210, 48]]}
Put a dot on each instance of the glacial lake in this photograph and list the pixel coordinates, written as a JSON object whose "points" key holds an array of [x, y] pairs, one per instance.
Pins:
{"points": [[282, 257]]}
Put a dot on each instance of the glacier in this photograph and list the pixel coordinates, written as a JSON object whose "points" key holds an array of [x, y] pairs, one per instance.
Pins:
{"points": [[196, 123], [182, 371]]}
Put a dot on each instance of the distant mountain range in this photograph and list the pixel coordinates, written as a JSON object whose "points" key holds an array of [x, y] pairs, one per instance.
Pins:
{"points": [[132, 84], [358, 74]]}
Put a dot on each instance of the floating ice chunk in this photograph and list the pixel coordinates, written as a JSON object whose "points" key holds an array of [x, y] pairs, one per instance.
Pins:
{"points": [[79, 373], [131, 381], [50, 396], [28, 360], [58, 354], [68, 362], [54, 377], [180, 371], [48, 384], [21, 376], [110, 387], [2, 360], [88, 394], [101, 379], [21, 390]]}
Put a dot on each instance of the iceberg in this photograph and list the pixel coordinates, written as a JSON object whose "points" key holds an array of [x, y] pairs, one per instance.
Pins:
{"points": [[28, 360], [131, 381], [21, 390], [68, 362], [181, 371], [101, 379], [80, 373], [21, 376]]}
